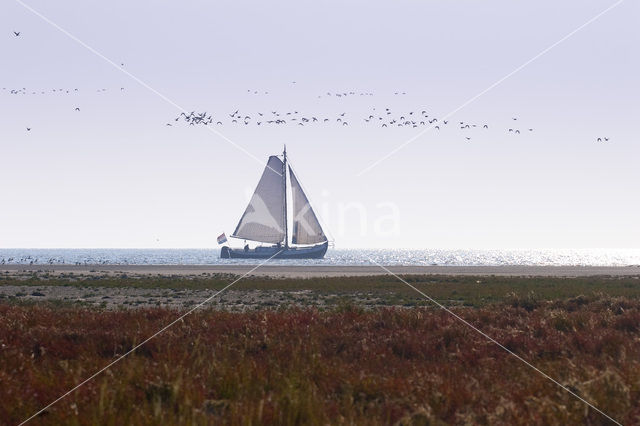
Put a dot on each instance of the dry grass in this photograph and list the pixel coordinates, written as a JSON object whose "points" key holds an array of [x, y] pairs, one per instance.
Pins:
{"points": [[303, 366]]}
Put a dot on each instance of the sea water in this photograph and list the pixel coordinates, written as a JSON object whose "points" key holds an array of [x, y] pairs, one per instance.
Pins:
{"points": [[339, 257]]}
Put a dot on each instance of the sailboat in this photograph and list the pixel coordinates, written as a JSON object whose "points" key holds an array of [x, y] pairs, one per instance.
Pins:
{"points": [[267, 222]]}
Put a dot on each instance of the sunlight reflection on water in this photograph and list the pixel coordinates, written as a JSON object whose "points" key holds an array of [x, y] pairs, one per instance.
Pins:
{"points": [[581, 257]]}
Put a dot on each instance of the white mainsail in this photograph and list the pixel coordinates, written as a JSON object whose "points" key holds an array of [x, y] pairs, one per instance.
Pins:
{"points": [[264, 218], [306, 228]]}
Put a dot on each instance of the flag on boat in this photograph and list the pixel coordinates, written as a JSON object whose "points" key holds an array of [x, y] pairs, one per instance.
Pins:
{"points": [[222, 238]]}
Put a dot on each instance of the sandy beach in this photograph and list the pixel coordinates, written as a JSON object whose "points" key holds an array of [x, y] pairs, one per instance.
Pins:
{"points": [[323, 271]]}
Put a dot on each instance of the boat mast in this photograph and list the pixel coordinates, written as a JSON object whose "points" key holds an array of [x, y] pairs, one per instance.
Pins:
{"points": [[284, 183]]}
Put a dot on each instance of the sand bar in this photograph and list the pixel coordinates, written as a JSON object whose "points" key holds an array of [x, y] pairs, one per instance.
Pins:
{"points": [[325, 271]]}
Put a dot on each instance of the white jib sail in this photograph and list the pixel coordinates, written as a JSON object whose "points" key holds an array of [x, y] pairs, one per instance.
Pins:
{"points": [[263, 220], [306, 228]]}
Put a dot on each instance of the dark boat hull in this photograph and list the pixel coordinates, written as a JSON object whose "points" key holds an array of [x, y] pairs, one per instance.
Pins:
{"points": [[315, 252]]}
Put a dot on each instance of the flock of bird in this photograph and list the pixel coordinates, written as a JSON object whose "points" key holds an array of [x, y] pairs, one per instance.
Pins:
{"points": [[347, 94], [25, 91], [30, 260], [259, 119], [337, 94], [383, 118]]}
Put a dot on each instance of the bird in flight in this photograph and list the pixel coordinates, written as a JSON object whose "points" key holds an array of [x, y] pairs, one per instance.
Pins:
{"points": [[16, 33], [28, 129], [77, 109]]}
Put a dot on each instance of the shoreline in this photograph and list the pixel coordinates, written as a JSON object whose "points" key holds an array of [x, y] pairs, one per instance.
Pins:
{"points": [[318, 271]]}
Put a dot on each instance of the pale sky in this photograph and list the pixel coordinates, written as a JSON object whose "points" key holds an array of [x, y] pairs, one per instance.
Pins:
{"points": [[114, 175]]}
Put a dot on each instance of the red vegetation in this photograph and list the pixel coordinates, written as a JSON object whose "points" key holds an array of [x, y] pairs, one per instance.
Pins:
{"points": [[305, 366]]}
